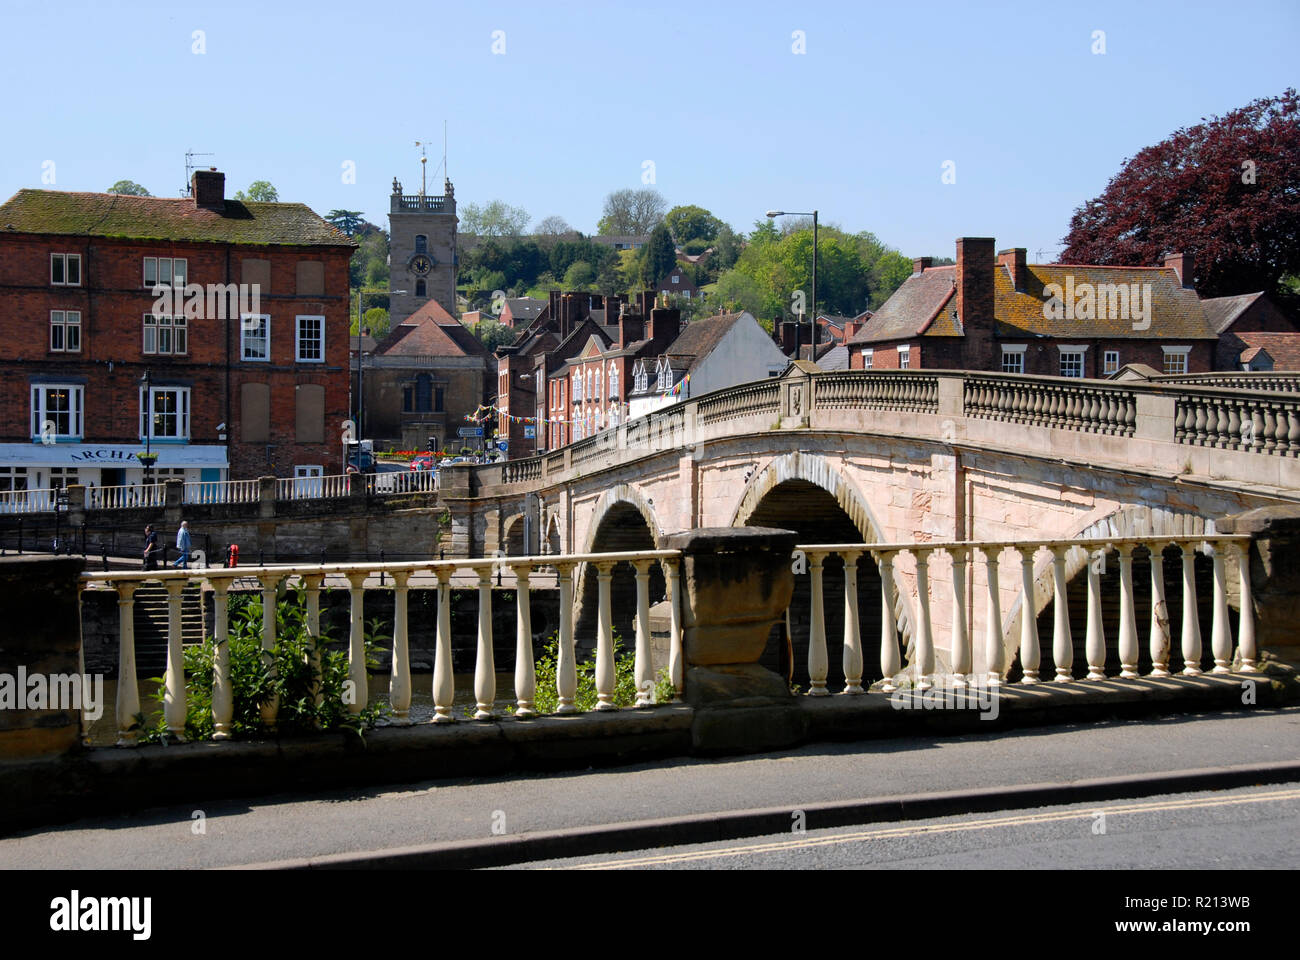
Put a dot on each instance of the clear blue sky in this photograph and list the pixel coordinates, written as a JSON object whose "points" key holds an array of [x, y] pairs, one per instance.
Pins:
{"points": [[859, 126]]}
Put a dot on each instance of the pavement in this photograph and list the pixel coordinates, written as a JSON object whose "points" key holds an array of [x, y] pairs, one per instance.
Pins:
{"points": [[482, 821]]}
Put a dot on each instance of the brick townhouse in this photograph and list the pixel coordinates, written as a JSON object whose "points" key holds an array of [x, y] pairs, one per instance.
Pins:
{"points": [[80, 327]]}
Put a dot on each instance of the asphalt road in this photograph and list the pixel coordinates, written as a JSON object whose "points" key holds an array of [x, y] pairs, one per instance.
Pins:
{"points": [[1249, 828], [288, 827]]}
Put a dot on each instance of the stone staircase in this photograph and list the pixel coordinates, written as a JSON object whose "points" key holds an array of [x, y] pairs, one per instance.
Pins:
{"points": [[151, 625]]}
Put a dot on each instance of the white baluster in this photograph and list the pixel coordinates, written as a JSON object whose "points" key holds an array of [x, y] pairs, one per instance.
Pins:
{"points": [[994, 657], [1159, 642], [961, 650], [1246, 623], [1191, 617], [818, 659], [223, 702], [1128, 636], [174, 682], [924, 636], [890, 663], [128, 690], [444, 691], [1094, 646], [360, 692], [644, 671], [852, 629], [1221, 631], [485, 674], [675, 627], [1030, 655], [604, 639], [399, 683], [566, 671], [525, 671], [1062, 641]]}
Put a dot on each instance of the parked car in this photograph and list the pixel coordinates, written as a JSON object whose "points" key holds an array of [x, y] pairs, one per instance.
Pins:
{"points": [[424, 462]]}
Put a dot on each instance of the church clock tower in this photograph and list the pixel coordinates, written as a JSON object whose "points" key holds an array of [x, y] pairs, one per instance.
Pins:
{"points": [[422, 251]]}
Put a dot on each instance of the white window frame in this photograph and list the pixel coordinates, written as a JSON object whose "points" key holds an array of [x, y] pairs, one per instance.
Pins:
{"points": [[1072, 351], [599, 383], [172, 273], [1109, 362], [575, 391], [868, 358], [147, 413], [76, 410], [61, 320], [66, 259], [905, 357], [245, 338], [152, 336], [612, 379], [298, 340], [1182, 353], [1016, 350]]}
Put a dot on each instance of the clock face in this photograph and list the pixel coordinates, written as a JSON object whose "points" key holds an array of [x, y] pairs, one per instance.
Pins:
{"points": [[421, 264]]}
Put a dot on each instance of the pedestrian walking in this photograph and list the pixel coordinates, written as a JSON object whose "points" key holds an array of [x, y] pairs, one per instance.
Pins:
{"points": [[183, 545], [152, 548]]}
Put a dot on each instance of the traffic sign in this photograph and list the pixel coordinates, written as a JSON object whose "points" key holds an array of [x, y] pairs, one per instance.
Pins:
{"points": [[471, 431], [502, 445]]}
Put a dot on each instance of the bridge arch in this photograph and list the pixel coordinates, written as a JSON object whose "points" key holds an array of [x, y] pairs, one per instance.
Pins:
{"points": [[1130, 520], [623, 519], [806, 493]]}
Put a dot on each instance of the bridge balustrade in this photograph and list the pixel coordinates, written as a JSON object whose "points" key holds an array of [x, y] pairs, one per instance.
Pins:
{"points": [[1268, 425], [1090, 408], [910, 393]]}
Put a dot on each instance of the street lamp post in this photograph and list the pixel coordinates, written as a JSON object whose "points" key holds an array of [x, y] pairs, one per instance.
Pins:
{"points": [[145, 382], [812, 333]]}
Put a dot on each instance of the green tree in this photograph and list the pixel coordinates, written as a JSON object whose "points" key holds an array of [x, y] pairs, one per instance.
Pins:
{"points": [[259, 191], [493, 219], [726, 248], [631, 212], [579, 276], [129, 188], [660, 253], [348, 221], [692, 223]]}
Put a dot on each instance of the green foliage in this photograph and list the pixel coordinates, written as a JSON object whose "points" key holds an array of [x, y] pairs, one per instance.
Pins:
{"points": [[259, 191], [129, 188], [631, 212], [660, 254], [348, 221], [546, 700], [294, 680], [493, 219], [692, 223], [579, 276], [493, 334]]}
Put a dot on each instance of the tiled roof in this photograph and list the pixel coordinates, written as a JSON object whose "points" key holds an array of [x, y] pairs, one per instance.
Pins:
{"points": [[926, 304], [836, 358], [699, 339], [1284, 348], [525, 308], [431, 332], [912, 306], [160, 218], [1222, 312], [433, 310]]}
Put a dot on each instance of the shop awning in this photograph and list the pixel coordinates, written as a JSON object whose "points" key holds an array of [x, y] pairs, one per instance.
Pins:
{"points": [[101, 455]]}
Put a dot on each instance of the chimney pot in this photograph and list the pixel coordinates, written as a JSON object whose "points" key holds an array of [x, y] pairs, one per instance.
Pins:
{"points": [[208, 188], [921, 263]]}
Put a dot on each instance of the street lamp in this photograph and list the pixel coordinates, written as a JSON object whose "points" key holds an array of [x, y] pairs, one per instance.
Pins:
{"points": [[148, 458], [812, 335]]}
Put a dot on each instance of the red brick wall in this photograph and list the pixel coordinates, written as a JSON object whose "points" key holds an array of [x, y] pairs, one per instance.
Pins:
{"points": [[1263, 316]]}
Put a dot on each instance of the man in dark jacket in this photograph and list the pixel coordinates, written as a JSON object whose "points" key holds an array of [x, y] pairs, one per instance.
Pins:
{"points": [[152, 550]]}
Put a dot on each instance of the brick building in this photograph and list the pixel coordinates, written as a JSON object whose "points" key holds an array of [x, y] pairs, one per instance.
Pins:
{"points": [[1255, 332], [999, 313], [81, 325]]}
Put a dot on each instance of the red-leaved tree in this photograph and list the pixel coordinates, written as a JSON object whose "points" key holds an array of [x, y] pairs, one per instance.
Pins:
{"points": [[1226, 191]]}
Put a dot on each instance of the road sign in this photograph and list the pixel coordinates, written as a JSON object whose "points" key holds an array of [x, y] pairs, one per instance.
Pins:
{"points": [[471, 431], [530, 433], [502, 445]]}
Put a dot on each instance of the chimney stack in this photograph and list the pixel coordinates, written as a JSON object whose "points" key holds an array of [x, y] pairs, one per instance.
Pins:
{"points": [[975, 281], [1182, 265], [208, 188], [1014, 260], [921, 263]]}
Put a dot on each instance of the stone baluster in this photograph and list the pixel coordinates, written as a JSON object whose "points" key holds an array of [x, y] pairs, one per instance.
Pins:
{"points": [[1221, 629], [1199, 424], [1094, 647], [525, 669], [357, 677], [174, 681], [485, 672], [995, 659], [1222, 437], [644, 672], [1159, 642], [1269, 436], [1246, 623], [961, 646], [399, 683], [444, 690], [312, 584], [672, 572], [1128, 637], [566, 671], [223, 701], [890, 663], [818, 659], [852, 629], [604, 639], [1191, 620], [128, 691], [1029, 651], [924, 636], [1256, 443], [1293, 431], [1233, 439], [1062, 642]]}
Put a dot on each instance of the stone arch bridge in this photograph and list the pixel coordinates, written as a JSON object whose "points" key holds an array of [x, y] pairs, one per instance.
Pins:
{"points": [[894, 457]]}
